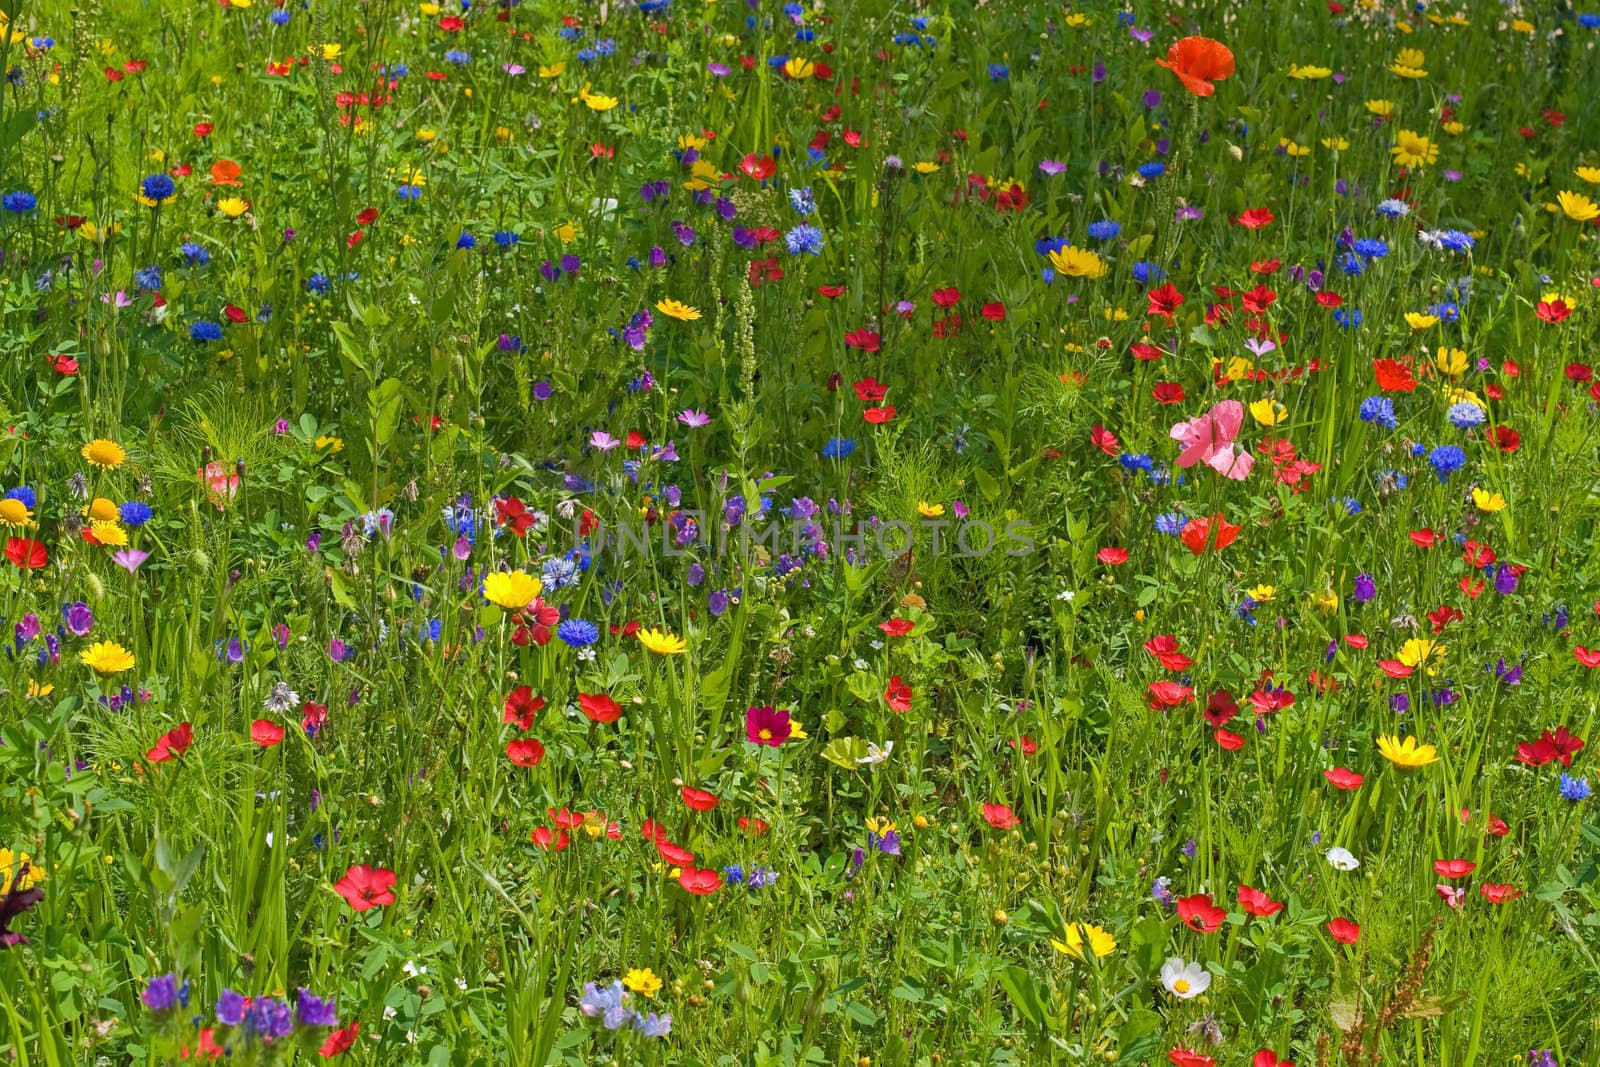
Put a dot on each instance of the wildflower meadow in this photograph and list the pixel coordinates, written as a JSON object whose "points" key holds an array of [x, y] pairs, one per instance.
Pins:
{"points": [[838, 532]]}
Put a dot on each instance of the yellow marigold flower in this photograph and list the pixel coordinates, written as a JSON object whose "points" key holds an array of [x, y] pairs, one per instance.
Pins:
{"points": [[1420, 321], [1577, 207], [566, 233], [1589, 174], [106, 658], [11, 864], [642, 981], [1078, 263], [554, 70], [1450, 361], [428, 10], [799, 69], [108, 533], [1338, 144], [701, 175], [597, 101], [1413, 150], [1079, 21], [1100, 942], [676, 309], [1487, 501], [1291, 149], [1308, 73], [1409, 63], [102, 509], [1381, 108], [15, 514], [233, 207], [929, 511], [330, 52], [1419, 650], [923, 166], [662, 642], [512, 590], [1263, 593], [1452, 127], [1268, 412], [1238, 367], [105, 454], [1407, 754], [37, 690]]}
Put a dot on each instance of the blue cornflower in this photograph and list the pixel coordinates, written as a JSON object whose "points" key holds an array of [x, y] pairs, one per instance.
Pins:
{"points": [[506, 238], [409, 192], [804, 238], [1348, 318], [1136, 461], [279, 16], [29, 498], [1370, 247], [466, 240], [148, 278], [1378, 409], [158, 187], [802, 200], [1104, 230], [578, 633], [134, 513], [204, 331], [1147, 273], [317, 283], [558, 573], [19, 202], [999, 72], [457, 56], [1465, 415], [1394, 209], [1574, 789], [1351, 264], [838, 448], [194, 255], [1152, 170], [1171, 523], [1446, 460]]}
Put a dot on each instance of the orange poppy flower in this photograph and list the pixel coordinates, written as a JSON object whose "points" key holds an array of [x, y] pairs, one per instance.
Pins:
{"points": [[1199, 61], [225, 172]]}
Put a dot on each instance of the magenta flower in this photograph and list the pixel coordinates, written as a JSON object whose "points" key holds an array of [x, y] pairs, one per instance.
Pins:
{"points": [[694, 419], [130, 559], [766, 726], [603, 441]]}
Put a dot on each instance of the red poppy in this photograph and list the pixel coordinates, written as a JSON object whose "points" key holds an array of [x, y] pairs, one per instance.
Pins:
{"points": [[1499, 893], [1256, 218], [1027, 747], [1164, 301], [1504, 438], [758, 167], [1267, 1058], [340, 1041], [1266, 266], [699, 881], [1227, 740], [599, 707], [1164, 647], [1356, 640], [1257, 902], [525, 751], [995, 312], [1343, 778], [879, 416], [64, 365], [1182, 1057], [1589, 657], [863, 339], [1220, 708], [1394, 376], [1197, 534], [1268, 700], [1104, 440], [1112, 556], [1344, 931], [1168, 393], [1144, 351], [1453, 868], [946, 298], [674, 854], [832, 292], [699, 799], [1197, 912], [757, 827], [1552, 311], [898, 695], [550, 840], [1001, 817], [1169, 694], [1394, 668], [1329, 300], [266, 733], [896, 627], [1425, 538], [1258, 300], [365, 888], [27, 553], [1199, 61], [172, 744]]}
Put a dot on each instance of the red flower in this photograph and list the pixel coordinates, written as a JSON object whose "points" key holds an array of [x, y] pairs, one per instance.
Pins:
{"points": [[341, 1040], [1220, 708], [1182, 1057], [1425, 538], [758, 827], [1344, 931], [758, 167], [865, 340], [521, 706], [1227, 740], [1164, 647], [1504, 438], [1197, 912], [879, 416], [898, 695], [1552, 311], [365, 888], [27, 553], [1258, 903], [206, 1045], [1104, 440], [1329, 300], [550, 840], [1145, 351], [599, 707], [1587, 656], [995, 312], [699, 881], [203, 129], [1168, 393], [1394, 376], [699, 799], [946, 298], [172, 744], [869, 390], [1001, 817], [1499, 893], [1028, 746], [896, 627], [1258, 300], [1112, 556], [1197, 534], [1164, 301], [525, 751], [676, 855], [266, 733], [1256, 218], [1453, 868], [1199, 61], [1267, 1058], [64, 365], [832, 292], [1343, 778], [451, 23]]}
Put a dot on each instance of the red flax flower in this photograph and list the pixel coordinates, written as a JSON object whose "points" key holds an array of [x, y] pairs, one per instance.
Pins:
{"points": [[1499, 893], [525, 751], [1164, 647], [1164, 301], [699, 799], [1199, 61], [340, 1041], [1001, 817], [1197, 912], [365, 888], [1213, 532], [1268, 1058], [1220, 708], [171, 744], [1112, 555], [898, 695], [1182, 1057], [1256, 218], [266, 733], [550, 840], [599, 707], [1393, 376], [699, 881], [522, 706], [896, 627], [1169, 695], [1343, 778], [1453, 868], [1344, 931], [1227, 740], [1258, 903]]}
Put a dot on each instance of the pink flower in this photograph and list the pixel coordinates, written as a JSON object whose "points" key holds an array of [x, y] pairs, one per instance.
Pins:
{"points": [[766, 726], [1209, 438]]}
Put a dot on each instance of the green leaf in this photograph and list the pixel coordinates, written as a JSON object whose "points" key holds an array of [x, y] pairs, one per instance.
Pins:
{"points": [[1139, 1037], [1024, 993], [846, 752]]}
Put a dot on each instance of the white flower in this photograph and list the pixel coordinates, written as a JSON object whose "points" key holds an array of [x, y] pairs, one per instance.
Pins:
{"points": [[1066, 596], [860, 664], [1342, 859], [1184, 980], [461, 984], [412, 969], [876, 754], [389, 1012]]}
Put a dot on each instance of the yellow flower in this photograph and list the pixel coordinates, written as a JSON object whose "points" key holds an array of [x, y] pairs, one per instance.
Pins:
{"points": [[662, 642], [1101, 943], [1452, 127], [332, 444], [105, 454], [1078, 20], [1078, 263], [876, 824], [512, 590], [108, 533], [1268, 412], [11, 865], [106, 658], [330, 52], [1327, 601], [701, 175], [1576, 206], [1419, 650], [1381, 108], [929, 511], [1291, 149], [1589, 174], [425, 135], [1407, 754], [1338, 144], [923, 166], [1262, 593], [1450, 361], [566, 233], [674, 309], [99, 235], [1300, 73], [554, 70], [1238, 367], [15, 514], [597, 102], [1488, 501], [1457, 396], [799, 69], [642, 981], [428, 10], [37, 690], [233, 207], [1409, 63], [797, 732], [1522, 26], [1419, 321], [103, 509], [1413, 150]]}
